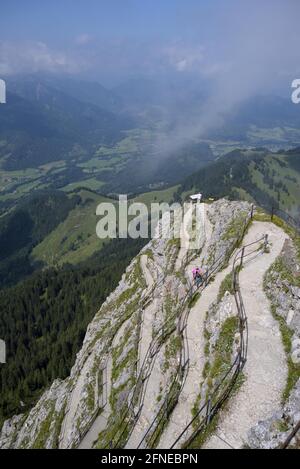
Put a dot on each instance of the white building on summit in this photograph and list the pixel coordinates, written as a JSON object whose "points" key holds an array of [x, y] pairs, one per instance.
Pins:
{"points": [[196, 197]]}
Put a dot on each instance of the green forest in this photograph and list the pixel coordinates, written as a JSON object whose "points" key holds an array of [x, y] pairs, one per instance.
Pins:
{"points": [[44, 319], [24, 227]]}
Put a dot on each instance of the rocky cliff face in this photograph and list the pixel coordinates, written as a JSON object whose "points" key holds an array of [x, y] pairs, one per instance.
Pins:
{"points": [[101, 403], [110, 349]]}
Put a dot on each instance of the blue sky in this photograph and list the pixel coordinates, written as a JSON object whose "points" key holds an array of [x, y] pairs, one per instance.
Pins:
{"points": [[62, 20], [241, 44]]}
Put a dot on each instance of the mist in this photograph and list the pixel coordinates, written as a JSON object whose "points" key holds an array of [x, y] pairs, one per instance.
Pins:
{"points": [[203, 60], [256, 55]]}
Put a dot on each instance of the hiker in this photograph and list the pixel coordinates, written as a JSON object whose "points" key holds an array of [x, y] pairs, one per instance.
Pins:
{"points": [[198, 278], [203, 273]]}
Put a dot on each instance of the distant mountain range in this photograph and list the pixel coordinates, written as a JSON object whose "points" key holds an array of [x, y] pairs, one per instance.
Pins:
{"points": [[40, 123], [130, 138], [66, 117]]}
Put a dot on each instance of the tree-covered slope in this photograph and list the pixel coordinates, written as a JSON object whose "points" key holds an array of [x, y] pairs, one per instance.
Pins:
{"points": [[259, 175], [44, 319], [27, 225]]}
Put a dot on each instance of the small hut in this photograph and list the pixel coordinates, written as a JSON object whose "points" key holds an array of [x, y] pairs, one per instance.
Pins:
{"points": [[196, 198]]}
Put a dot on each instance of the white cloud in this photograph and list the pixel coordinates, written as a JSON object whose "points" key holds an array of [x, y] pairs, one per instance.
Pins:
{"points": [[182, 65], [30, 57], [83, 39], [184, 57]]}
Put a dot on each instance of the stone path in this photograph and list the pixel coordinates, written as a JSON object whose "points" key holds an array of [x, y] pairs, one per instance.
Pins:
{"points": [[152, 391], [182, 415], [264, 373], [266, 369]]}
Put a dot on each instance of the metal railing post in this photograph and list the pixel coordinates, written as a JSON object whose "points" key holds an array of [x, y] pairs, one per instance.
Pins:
{"points": [[242, 257], [290, 437], [266, 242], [208, 412]]}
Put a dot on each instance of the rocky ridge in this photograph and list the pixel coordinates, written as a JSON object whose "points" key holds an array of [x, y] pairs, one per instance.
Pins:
{"points": [[82, 408]]}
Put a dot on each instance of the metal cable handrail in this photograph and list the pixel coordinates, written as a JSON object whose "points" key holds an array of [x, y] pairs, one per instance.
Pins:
{"points": [[244, 343], [209, 408], [179, 378], [151, 353], [183, 368], [284, 215], [296, 225], [77, 441], [157, 342], [163, 335], [167, 329], [210, 272]]}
